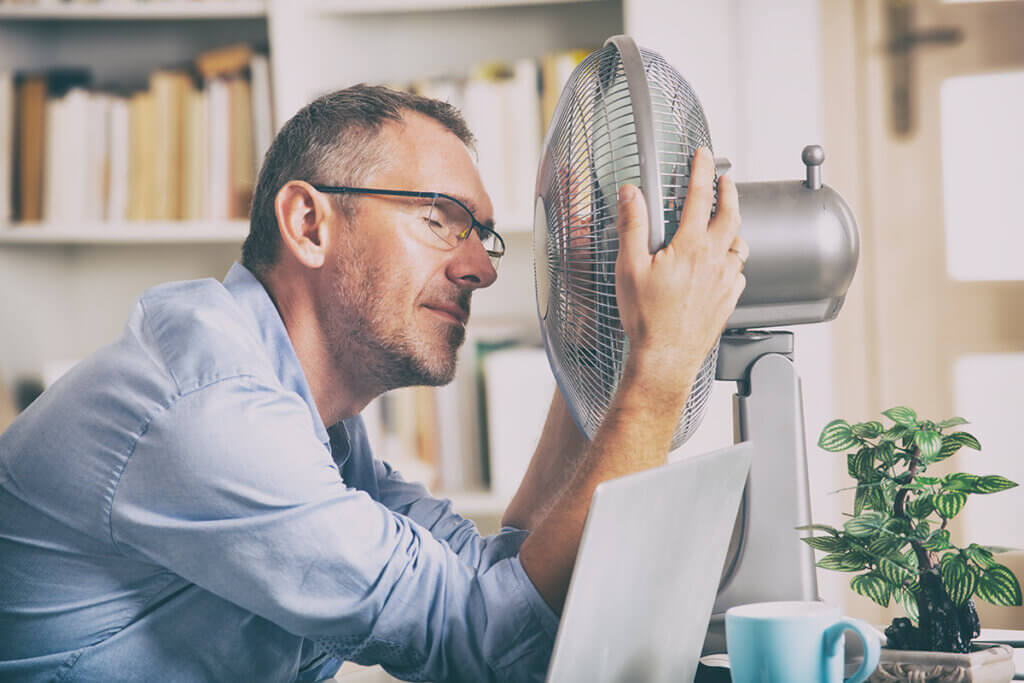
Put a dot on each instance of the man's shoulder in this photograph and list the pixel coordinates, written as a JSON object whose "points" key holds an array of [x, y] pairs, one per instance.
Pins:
{"points": [[200, 333]]}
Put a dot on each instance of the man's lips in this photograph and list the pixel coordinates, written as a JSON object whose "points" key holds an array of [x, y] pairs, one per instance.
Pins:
{"points": [[449, 311]]}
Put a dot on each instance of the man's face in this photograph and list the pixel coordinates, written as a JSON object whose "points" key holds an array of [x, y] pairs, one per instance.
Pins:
{"points": [[400, 296]]}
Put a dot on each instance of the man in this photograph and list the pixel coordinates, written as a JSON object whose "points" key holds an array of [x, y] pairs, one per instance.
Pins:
{"points": [[198, 500]]}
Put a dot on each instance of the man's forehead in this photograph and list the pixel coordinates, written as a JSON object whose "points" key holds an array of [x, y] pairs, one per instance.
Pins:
{"points": [[423, 154]]}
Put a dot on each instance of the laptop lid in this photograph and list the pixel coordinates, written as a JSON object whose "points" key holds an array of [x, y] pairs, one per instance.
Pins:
{"points": [[648, 569]]}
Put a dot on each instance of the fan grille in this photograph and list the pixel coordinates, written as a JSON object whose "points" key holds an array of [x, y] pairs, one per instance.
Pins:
{"points": [[591, 149]]}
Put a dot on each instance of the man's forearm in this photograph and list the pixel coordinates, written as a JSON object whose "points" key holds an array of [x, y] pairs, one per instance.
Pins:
{"points": [[558, 454], [635, 435]]}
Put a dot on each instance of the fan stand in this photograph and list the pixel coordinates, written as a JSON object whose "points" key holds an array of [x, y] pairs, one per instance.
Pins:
{"points": [[766, 560]]}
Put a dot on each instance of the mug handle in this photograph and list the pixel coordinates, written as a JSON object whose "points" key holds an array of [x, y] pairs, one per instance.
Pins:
{"points": [[872, 646]]}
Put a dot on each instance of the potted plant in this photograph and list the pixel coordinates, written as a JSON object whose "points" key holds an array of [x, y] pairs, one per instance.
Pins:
{"points": [[898, 544]]}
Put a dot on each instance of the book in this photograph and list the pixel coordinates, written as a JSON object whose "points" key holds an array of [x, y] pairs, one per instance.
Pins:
{"points": [[7, 110], [218, 151], [141, 204], [30, 136], [263, 128], [194, 167], [119, 159], [224, 61], [170, 91], [241, 174], [519, 386]]}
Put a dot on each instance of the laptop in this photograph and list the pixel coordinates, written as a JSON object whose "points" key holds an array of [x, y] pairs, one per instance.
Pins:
{"points": [[647, 571]]}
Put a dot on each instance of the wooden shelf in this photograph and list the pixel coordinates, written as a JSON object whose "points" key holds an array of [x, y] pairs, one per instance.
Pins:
{"points": [[389, 6], [135, 10], [166, 232]]}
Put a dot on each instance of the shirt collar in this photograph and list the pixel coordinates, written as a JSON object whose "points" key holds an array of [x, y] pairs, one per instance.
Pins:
{"points": [[253, 297]]}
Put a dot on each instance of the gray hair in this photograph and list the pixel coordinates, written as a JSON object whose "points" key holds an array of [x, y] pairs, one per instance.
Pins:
{"points": [[331, 141]]}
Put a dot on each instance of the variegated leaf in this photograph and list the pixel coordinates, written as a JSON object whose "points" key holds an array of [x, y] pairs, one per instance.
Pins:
{"points": [[901, 415], [999, 586], [837, 436]]}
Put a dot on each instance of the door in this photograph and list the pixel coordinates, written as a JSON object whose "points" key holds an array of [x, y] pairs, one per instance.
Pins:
{"points": [[937, 128]]}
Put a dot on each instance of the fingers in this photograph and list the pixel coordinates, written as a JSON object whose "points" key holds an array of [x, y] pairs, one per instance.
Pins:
{"points": [[700, 197], [633, 227], [724, 227]]}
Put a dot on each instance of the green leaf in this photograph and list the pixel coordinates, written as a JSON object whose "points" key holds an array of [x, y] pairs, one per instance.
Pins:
{"points": [[859, 501], [844, 562], [872, 586], [830, 544], [999, 586], [921, 530], [895, 573], [953, 422], [939, 540], [993, 483], [818, 527], [910, 559], [997, 549], [885, 544], [864, 525], [961, 481], [868, 430], [886, 452], [929, 443], [894, 433], [908, 601], [837, 436], [877, 500], [980, 556], [951, 443], [956, 577], [897, 525], [901, 415], [950, 503], [927, 481], [860, 464], [920, 506]]}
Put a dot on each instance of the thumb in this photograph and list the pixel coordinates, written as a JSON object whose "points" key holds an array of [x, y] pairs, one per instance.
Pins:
{"points": [[632, 224]]}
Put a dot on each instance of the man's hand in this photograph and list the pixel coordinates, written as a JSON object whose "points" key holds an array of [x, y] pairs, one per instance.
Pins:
{"points": [[674, 304]]}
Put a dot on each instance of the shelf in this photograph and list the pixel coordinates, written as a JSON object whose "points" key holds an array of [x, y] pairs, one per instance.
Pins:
{"points": [[167, 232], [135, 10], [389, 6]]}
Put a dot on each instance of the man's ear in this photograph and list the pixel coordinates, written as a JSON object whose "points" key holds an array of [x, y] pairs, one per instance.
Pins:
{"points": [[302, 221]]}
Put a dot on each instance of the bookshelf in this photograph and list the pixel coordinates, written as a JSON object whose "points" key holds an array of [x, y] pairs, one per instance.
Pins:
{"points": [[125, 233], [148, 11], [71, 284]]}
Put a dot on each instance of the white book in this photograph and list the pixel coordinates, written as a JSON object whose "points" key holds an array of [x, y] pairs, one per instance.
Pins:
{"points": [[522, 140], [218, 167], [119, 149], [6, 145], [262, 107], [53, 142], [73, 156], [96, 169], [484, 112], [519, 386]]}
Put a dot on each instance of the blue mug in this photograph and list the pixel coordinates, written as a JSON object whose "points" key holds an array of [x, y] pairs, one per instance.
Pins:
{"points": [[795, 642]]}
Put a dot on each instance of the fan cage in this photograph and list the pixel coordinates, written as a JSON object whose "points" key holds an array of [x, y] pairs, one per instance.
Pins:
{"points": [[591, 150]]}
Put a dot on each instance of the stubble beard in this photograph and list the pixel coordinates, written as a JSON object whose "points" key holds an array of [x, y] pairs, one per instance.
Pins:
{"points": [[370, 341]]}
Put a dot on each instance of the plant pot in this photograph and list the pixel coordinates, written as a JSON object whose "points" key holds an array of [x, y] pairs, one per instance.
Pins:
{"points": [[988, 663]]}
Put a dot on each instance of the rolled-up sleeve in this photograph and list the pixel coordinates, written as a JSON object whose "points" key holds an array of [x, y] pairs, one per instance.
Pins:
{"points": [[252, 509]]}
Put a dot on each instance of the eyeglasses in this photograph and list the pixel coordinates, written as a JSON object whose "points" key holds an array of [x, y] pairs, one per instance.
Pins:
{"points": [[446, 216]]}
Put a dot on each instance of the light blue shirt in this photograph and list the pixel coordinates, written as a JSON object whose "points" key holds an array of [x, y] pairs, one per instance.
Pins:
{"points": [[174, 509]]}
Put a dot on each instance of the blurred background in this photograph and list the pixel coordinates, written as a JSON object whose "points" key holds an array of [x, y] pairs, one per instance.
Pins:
{"points": [[131, 132]]}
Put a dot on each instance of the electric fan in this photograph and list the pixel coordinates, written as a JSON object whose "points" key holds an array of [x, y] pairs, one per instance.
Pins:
{"points": [[626, 116]]}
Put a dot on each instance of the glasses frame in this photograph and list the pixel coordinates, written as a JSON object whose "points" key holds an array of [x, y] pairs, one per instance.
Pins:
{"points": [[474, 223]]}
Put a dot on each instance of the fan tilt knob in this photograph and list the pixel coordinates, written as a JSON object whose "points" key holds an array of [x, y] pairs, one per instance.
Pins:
{"points": [[814, 157]]}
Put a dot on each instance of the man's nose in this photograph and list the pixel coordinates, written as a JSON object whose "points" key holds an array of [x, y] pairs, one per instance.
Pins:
{"points": [[471, 266]]}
